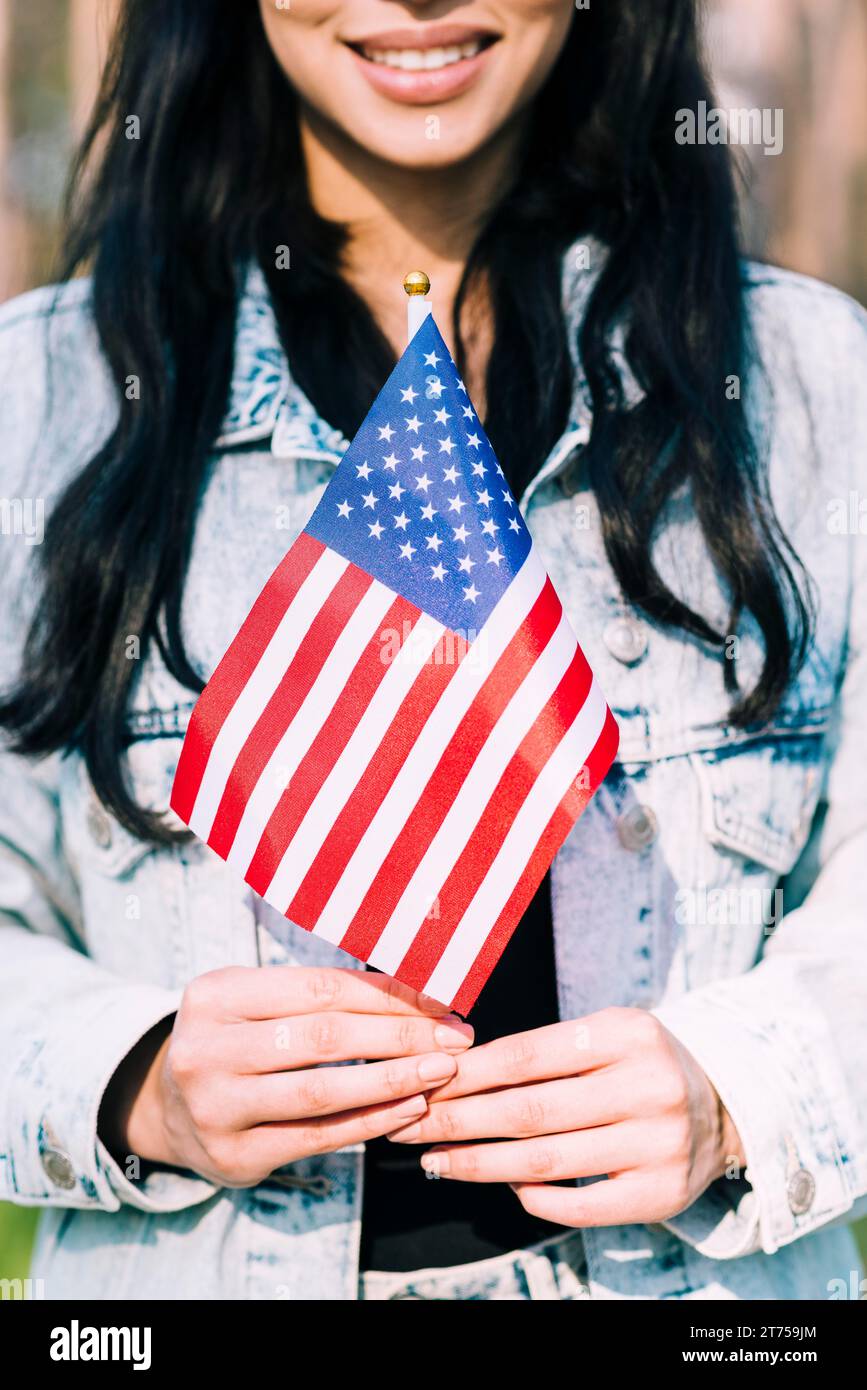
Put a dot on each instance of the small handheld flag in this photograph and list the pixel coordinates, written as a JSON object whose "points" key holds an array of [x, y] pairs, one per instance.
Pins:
{"points": [[404, 730]]}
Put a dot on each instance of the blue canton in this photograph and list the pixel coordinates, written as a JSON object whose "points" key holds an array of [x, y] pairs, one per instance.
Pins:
{"points": [[419, 500]]}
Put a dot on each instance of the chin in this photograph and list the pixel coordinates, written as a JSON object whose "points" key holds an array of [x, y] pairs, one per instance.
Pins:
{"points": [[411, 150]]}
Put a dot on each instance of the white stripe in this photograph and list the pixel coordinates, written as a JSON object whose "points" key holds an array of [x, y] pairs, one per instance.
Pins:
{"points": [[391, 815], [309, 719], [479, 785], [263, 681], [518, 848], [349, 768]]}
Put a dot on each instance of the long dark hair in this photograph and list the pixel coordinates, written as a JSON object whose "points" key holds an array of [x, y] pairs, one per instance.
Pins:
{"points": [[168, 221]]}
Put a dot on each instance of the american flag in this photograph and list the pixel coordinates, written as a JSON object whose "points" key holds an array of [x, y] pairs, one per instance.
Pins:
{"points": [[404, 730]]}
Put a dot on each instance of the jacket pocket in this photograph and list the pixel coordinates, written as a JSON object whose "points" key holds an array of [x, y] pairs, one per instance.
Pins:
{"points": [[98, 841], [758, 798], [133, 893]]}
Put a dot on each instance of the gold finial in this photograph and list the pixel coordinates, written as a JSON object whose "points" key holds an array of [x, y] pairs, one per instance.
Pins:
{"points": [[416, 282]]}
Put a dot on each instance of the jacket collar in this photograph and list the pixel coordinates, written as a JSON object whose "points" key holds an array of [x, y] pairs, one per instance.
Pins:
{"points": [[266, 403]]}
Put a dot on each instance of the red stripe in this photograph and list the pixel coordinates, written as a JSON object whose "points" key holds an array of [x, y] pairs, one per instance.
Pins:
{"points": [[483, 845], [553, 836], [378, 776], [326, 748], [426, 817], [235, 668], [284, 704]]}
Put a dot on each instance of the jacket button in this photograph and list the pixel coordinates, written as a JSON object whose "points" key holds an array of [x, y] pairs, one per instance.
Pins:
{"points": [[98, 825], [801, 1191], [637, 828], [58, 1167], [626, 640]]}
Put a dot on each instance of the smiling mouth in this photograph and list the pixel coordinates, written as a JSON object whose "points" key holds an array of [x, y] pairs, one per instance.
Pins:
{"points": [[422, 58]]}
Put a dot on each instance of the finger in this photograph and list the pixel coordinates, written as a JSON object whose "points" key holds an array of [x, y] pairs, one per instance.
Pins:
{"points": [[274, 991], [310, 1039], [549, 1158], [275, 1145], [518, 1112], [538, 1055], [624, 1200], [331, 1090], [561, 1049]]}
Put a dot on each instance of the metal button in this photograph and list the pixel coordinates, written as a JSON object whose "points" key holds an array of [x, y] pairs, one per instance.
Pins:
{"points": [[626, 640], [801, 1190], [637, 828], [98, 825], [58, 1167]]}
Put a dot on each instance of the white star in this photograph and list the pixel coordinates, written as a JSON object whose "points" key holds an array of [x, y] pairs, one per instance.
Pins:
{"points": [[474, 441], [408, 394], [479, 469], [484, 498], [391, 461], [430, 359], [375, 529], [434, 542], [500, 471], [414, 424], [472, 593], [369, 500], [495, 556], [364, 470], [343, 509], [435, 387], [507, 498], [461, 533], [428, 511], [468, 412], [396, 491], [385, 432], [490, 527], [513, 524], [423, 483], [456, 504], [466, 564], [402, 521], [450, 474], [441, 416], [437, 572], [446, 446], [461, 386], [407, 551]]}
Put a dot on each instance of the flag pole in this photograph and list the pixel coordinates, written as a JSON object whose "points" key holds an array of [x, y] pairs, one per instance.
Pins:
{"points": [[417, 285]]}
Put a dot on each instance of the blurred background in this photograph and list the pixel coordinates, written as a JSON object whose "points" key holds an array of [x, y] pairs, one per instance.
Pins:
{"points": [[805, 208]]}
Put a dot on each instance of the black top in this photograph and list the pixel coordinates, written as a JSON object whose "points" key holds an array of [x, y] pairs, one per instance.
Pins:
{"points": [[410, 1221]]}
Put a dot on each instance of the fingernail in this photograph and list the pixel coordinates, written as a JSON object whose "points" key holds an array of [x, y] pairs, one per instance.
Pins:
{"points": [[436, 1163], [428, 1002], [437, 1067], [416, 1105], [405, 1136], [453, 1035]]}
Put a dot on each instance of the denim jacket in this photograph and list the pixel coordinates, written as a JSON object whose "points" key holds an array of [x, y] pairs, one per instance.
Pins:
{"points": [[718, 877]]}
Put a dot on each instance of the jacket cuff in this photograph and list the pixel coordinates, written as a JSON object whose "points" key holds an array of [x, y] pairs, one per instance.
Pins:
{"points": [[785, 1092], [56, 1158]]}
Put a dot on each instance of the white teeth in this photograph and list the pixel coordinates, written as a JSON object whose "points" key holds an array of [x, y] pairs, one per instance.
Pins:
{"points": [[416, 59]]}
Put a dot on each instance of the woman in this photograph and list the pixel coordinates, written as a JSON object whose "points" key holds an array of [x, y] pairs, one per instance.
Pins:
{"points": [[680, 428]]}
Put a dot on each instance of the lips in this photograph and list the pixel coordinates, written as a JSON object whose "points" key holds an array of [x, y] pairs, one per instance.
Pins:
{"points": [[425, 64]]}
